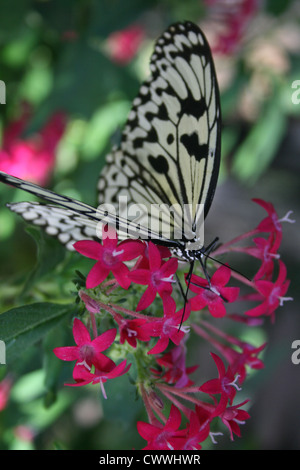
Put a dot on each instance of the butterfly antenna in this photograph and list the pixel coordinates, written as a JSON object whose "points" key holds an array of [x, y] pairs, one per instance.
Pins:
{"points": [[207, 252], [227, 266]]}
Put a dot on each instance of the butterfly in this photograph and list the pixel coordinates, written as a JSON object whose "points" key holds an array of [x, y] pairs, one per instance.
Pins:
{"points": [[166, 165]]}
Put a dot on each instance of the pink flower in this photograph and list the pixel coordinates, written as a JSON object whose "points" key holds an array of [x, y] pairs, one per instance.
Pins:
{"points": [[232, 19], [24, 433], [239, 354], [91, 365], [198, 429], [174, 364], [271, 294], [159, 278], [162, 437], [87, 350], [110, 257], [144, 263], [272, 223], [214, 296], [266, 251], [247, 357], [5, 386], [225, 384], [104, 369], [31, 158], [167, 328], [133, 331], [233, 417], [123, 45]]}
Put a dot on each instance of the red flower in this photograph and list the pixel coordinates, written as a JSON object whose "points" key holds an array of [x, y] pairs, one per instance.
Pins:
{"points": [[247, 357], [110, 257], [144, 263], [272, 223], [266, 251], [32, 158], [104, 369], [167, 328], [123, 45], [198, 429], [163, 437], [232, 417], [5, 386], [231, 18], [271, 293], [174, 364], [213, 296], [87, 350], [225, 384], [158, 278], [133, 330]]}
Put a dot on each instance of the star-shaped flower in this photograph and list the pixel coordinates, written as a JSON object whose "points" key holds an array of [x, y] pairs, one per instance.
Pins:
{"points": [[158, 277], [271, 294], [86, 350], [213, 295], [163, 437], [110, 257]]}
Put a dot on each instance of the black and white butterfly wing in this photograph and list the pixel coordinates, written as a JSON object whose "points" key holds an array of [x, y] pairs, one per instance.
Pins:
{"points": [[71, 220], [64, 224], [170, 149]]}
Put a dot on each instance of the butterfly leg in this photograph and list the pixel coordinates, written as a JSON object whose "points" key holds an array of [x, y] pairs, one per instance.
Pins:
{"points": [[185, 295]]}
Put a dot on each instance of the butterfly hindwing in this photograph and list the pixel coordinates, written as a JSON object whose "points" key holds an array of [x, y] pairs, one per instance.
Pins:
{"points": [[86, 220], [64, 224]]}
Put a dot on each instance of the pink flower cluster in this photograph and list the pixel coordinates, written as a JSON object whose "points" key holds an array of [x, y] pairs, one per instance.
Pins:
{"points": [[31, 158], [123, 45], [231, 19], [158, 331]]}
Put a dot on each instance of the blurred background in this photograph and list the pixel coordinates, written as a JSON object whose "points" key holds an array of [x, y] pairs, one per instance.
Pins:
{"points": [[71, 70]]}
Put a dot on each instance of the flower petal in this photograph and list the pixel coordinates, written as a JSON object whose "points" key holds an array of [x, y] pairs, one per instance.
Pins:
{"points": [[154, 257], [217, 309], [67, 353], [97, 274], [131, 249], [105, 340], [89, 248], [80, 332], [120, 273], [147, 298], [221, 276]]}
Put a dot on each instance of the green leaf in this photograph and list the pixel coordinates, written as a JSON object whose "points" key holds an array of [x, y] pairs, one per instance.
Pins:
{"points": [[259, 148], [49, 254], [22, 327]]}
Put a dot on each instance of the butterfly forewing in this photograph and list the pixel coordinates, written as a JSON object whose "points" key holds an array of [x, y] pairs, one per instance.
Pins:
{"points": [[170, 148]]}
